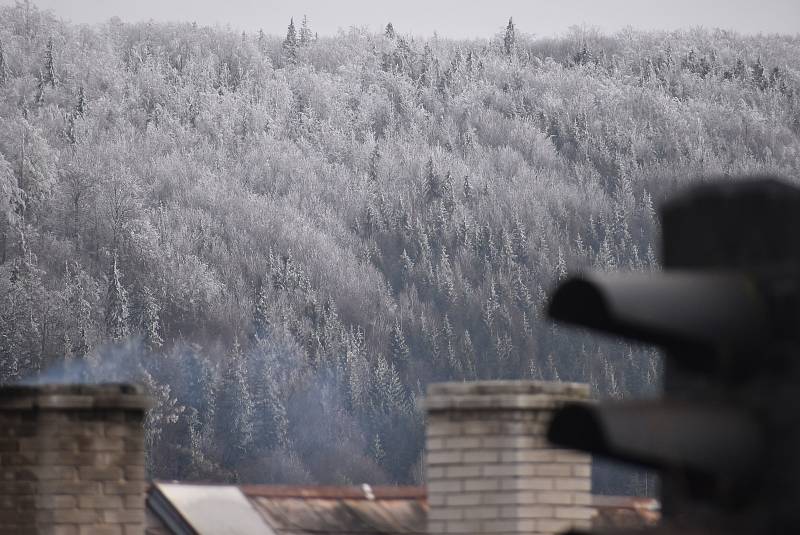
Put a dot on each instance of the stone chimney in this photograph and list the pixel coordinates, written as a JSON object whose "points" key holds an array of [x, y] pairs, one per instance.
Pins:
{"points": [[72, 460], [489, 466]]}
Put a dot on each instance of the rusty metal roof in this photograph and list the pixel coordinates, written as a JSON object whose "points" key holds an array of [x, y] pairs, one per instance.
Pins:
{"points": [[625, 512], [363, 492], [291, 510], [290, 516], [305, 510], [341, 510]]}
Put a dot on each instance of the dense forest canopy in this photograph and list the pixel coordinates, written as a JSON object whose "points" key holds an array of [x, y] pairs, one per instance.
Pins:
{"points": [[294, 235]]}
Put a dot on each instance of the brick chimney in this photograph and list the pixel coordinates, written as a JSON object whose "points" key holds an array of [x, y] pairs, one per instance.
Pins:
{"points": [[72, 460], [489, 466]]}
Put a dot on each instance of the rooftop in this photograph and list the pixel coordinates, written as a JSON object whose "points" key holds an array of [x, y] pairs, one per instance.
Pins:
{"points": [[286, 510], [179, 508]]}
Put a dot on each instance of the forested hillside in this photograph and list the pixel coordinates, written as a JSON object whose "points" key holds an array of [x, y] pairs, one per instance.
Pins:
{"points": [[296, 234]]}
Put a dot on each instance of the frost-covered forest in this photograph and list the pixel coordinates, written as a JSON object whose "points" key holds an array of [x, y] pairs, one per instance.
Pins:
{"points": [[295, 234]]}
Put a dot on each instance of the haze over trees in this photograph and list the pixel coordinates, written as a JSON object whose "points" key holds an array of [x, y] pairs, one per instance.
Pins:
{"points": [[300, 233]]}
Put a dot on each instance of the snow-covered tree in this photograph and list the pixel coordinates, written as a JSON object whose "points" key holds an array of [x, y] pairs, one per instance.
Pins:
{"points": [[49, 76], [149, 321], [203, 157], [261, 322], [3, 65], [306, 35], [398, 347], [235, 406], [290, 42], [117, 326], [510, 38]]}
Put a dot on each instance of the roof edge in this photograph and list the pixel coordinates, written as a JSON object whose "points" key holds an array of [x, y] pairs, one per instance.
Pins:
{"points": [[363, 492]]}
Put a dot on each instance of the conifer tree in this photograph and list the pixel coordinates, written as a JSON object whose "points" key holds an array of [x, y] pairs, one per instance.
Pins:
{"points": [[391, 395], [426, 77], [740, 70], [560, 270], [280, 420], [440, 220], [448, 339], [70, 130], [583, 56], [165, 411], [463, 231], [197, 458], [262, 41], [49, 65], [261, 323], [79, 294], [491, 307], [468, 355], [503, 348], [652, 262], [358, 371], [331, 324], [445, 279], [433, 182], [397, 345], [40, 85], [759, 80], [619, 224], [406, 268], [80, 107], [66, 347], [374, 159], [605, 260], [305, 33], [81, 347], [509, 40], [526, 324], [469, 193], [150, 325], [580, 246], [376, 450], [396, 392], [522, 295], [485, 243], [389, 31], [235, 407], [777, 79], [3, 66], [519, 241], [290, 43], [534, 372], [209, 385], [449, 199], [117, 327], [506, 248], [426, 277]]}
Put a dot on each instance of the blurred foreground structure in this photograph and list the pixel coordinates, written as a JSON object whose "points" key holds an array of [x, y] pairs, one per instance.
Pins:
{"points": [[726, 309]]}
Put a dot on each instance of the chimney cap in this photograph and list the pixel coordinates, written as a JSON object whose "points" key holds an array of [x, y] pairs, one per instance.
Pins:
{"points": [[502, 395], [73, 397]]}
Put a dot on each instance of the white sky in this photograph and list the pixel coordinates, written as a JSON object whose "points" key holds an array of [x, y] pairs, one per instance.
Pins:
{"points": [[450, 18]]}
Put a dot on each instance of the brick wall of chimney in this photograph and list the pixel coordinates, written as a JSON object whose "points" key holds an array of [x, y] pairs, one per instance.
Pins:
{"points": [[489, 468], [72, 460]]}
